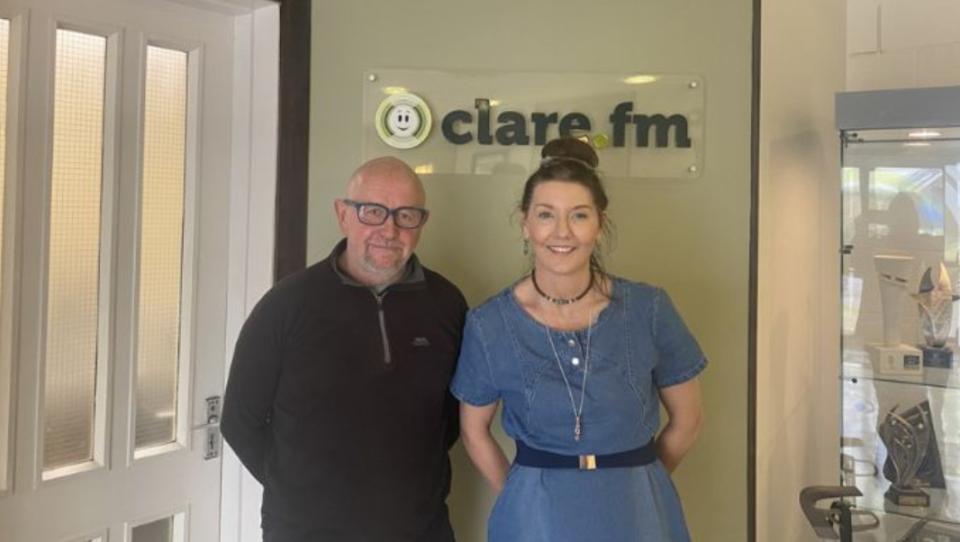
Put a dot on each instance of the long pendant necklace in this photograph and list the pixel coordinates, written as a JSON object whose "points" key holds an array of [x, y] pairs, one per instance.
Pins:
{"points": [[577, 409]]}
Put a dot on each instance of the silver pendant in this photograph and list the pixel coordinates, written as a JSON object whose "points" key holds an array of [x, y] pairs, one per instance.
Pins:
{"points": [[577, 429]]}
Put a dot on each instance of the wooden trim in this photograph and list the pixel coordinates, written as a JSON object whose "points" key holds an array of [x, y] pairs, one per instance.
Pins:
{"points": [[293, 142], [753, 287]]}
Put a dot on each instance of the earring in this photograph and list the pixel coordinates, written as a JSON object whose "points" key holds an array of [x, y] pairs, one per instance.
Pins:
{"points": [[526, 247]]}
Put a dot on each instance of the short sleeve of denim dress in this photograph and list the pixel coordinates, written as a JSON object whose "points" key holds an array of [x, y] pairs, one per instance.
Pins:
{"points": [[636, 345]]}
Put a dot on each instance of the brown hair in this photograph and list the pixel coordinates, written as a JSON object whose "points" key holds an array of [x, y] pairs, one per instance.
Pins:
{"points": [[568, 159]]}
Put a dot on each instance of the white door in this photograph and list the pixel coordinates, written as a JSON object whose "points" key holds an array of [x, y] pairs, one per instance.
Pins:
{"points": [[117, 196]]}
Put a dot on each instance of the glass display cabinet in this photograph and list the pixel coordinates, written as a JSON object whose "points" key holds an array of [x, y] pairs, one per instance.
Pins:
{"points": [[900, 265]]}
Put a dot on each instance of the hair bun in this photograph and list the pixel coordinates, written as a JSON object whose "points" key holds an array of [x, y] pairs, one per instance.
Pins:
{"points": [[570, 147]]}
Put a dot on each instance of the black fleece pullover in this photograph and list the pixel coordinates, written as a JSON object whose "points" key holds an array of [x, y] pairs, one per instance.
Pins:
{"points": [[337, 403]]}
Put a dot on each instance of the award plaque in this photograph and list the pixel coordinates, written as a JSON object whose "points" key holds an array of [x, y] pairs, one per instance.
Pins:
{"points": [[935, 299], [930, 472], [892, 357], [911, 450]]}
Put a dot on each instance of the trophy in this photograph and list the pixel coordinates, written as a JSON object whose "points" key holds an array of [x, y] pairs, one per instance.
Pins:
{"points": [[893, 357], [930, 471], [935, 300], [911, 450]]}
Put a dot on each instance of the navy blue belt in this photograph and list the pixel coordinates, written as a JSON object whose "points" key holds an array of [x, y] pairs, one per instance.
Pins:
{"points": [[532, 457]]}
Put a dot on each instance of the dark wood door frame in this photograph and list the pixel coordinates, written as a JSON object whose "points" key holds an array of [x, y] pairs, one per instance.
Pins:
{"points": [[293, 141], [754, 271]]}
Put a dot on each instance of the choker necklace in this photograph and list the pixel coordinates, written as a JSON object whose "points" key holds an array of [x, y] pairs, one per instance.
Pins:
{"points": [[560, 300], [577, 409]]}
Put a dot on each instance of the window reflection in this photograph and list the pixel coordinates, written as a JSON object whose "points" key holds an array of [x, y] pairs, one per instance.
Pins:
{"points": [[903, 192]]}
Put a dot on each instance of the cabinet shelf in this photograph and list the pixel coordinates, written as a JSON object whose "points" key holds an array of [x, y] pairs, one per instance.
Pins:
{"points": [[896, 527], [857, 365], [942, 509], [865, 404]]}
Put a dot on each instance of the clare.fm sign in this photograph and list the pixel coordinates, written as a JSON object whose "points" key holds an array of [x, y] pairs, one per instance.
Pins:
{"points": [[441, 122]]}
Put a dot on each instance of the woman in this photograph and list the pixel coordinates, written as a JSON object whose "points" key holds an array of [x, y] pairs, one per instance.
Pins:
{"points": [[579, 359]]}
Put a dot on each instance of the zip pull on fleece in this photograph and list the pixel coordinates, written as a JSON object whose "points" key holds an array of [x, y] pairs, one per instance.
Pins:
{"points": [[383, 327]]}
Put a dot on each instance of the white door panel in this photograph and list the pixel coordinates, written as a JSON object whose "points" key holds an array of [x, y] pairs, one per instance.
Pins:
{"points": [[123, 493]]}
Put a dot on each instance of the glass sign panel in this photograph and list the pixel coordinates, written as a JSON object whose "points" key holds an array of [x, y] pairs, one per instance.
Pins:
{"points": [[485, 123]]}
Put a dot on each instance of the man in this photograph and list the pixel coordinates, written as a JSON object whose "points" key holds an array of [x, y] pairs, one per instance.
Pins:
{"points": [[337, 399]]}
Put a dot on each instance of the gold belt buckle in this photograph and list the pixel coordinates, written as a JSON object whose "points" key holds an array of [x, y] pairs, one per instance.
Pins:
{"points": [[588, 462]]}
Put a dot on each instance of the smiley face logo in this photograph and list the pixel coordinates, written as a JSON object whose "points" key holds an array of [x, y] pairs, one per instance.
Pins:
{"points": [[403, 121]]}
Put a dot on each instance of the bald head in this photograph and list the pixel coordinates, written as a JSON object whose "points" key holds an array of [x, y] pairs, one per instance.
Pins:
{"points": [[377, 254], [385, 172]]}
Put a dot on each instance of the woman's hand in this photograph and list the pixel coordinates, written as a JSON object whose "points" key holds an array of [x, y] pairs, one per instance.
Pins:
{"points": [[483, 450], [685, 411]]}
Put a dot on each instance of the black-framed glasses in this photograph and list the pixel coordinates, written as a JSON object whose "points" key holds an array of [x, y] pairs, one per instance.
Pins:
{"points": [[374, 214]]}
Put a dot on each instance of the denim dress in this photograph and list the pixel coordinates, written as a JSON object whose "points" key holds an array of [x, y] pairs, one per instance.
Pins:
{"points": [[637, 344]]}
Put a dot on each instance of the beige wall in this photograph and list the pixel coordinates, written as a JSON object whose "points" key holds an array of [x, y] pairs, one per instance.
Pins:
{"points": [[690, 236], [902, 44], [802, 55]]}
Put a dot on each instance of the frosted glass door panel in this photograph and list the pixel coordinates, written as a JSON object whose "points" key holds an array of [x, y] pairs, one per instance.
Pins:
{"points": [[4, 69], [5, 263], [73, 265], [169, 529], [161, 246]]}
